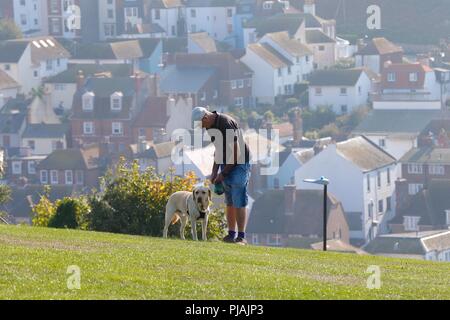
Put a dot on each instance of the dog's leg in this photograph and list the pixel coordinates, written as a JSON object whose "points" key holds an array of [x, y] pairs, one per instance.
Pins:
{"points": [[184, 221], [204, 227], [194, 229], [167, 224]]}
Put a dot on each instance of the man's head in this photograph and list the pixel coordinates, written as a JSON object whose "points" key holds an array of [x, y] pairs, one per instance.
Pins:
{"points": [[203, 116]]}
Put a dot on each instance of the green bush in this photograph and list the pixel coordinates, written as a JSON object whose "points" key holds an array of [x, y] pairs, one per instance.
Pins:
{"points": [[70, 213]]}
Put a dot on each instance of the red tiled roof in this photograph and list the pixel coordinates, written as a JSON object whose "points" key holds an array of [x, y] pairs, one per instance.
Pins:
{"points": [[153, 114], [402, 72]]}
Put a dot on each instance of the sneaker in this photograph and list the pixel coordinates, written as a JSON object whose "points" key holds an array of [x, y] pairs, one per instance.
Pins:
{"points": [[241, 241], [228, 239]]}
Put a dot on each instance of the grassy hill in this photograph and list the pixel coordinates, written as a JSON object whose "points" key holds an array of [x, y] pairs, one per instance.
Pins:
{"points": [[34, 262]]}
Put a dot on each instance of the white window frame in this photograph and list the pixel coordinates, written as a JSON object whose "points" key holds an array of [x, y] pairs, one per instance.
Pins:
{"points": [[391, 77], [31, 167], [79, 177], [43, 176], [414, 188], [238, 101], [413, 77], [117, 128], [240, 83], [414, 168], [233, 84], [68, 175], [437, 170], [17, 167], [343, 91], [52, 180], [90, 125], [88, 101], [411, 223], [116, 101]]}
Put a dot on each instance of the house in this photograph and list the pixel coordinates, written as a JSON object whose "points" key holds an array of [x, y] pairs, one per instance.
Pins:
{"points": [[31, 60], [420, 166], [162, 115], [288, 217], [426, 245], [43, 138], [170, 16], [396, 131], [80, 167], [323, 47], [28, 18], [58, 14], [8, 88], [376, 53], [342, 90], [363, 177], [21, 166], [408, 86], [62, 87], [293, 160], [235, 84], [104, 110], [245, 11], [201, 42], [212, 17], [157, 156], [278, 62], [199, 83]]}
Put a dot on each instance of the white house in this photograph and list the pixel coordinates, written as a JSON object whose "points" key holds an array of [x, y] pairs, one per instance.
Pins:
{"points": [[169, 15], [28, 16], [278, 62], [213, 17], [374, 54], [29, 61], [323, 47], [342, 90], [362, 176], [8, 88]]}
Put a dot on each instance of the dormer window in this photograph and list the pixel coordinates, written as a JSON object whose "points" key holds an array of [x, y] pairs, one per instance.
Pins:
{"points": [[413, 77], [116, 101], [411, 223], [88, 101], [391, 77]]}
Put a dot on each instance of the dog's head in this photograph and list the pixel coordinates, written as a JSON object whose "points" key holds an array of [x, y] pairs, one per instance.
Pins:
{"points": [[202, 197]]}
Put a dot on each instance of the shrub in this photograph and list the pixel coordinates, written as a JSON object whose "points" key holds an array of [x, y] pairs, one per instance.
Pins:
{"points": [[70, 213], [43, 210]]}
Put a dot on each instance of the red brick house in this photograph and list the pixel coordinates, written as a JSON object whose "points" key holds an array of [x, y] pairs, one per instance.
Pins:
{"points": [[104, 110], [293, 217], [80, 167]]}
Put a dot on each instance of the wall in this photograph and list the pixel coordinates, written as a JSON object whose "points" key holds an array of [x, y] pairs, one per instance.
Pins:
{"points": [[213, 20]]}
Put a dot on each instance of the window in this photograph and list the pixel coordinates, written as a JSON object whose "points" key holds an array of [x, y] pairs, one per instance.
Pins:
{"points": [[157, 14], [132, 12], [389, 204], [23, 19], [255, 239], [248, 83], [239, 101], [388, 176], [307, 58], [318, 91], [116, 101], [413, 77], [110, 14], [35, 73], [368, 183], [32, 144], [79, 176], [7, 67], [233, 84], [391, 77], [54, 177], [343, 91], [240, 83], [216, 94], [203, 96], [88, 101], [436, 170], [370, 208], [49, 65], [69, 177], [193, 13], [411, 223], [60, 87], [380, 206], [229, 13], [31, 167], [117, 128], [88, 128], [415, 168], [229, 28], [289, 70], [382, 143], [321, 48], [44, 176], [110, 30], [280, 72], [359, 90], [17, 167], [379, 179], [274, 239], [414, 188], [57, 145], [344, 109]]}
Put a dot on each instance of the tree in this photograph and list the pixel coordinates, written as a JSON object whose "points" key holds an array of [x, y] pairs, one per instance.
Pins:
{"points": [[9, 30]]}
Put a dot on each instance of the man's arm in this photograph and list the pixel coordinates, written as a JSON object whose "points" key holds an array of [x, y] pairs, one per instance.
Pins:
{"points": [[215, 170], [228, 167]]}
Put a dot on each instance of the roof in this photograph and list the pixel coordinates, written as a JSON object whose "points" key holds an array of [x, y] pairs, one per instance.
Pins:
{"points": [[396, 121], [292, 46], [118, 50], [158, 151], [72, 159], [427, 155], [268, 213], [6, 82], [12, 51], [109, 70], [45, 131], [176, 79], [304, 155], [379, 46], [286, 22], [410, 243], [210, 3], [10, 123], [105, 87], [344, 77], [317, 36], [44, 48], [354, 220], [148, 46], [402, 73], [364, 154], [166, 4], [153, 113], [269, 54], [429, 204], [204, 41]]}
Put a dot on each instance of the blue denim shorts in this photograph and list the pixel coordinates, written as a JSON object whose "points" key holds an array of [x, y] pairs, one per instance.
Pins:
{"points": [[236, 186]]}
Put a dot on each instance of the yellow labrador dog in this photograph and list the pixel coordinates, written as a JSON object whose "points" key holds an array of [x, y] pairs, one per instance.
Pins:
{"points": [[185, 205]]}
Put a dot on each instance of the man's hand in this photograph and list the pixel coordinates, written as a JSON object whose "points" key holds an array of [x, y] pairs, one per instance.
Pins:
{"points": [[220, 178], [213, 177]]}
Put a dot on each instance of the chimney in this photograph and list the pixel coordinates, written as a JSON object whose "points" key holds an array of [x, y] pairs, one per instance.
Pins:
{"points": [[80, 79], [310, 7], [297, 124], [401, 194], [289, 199]]}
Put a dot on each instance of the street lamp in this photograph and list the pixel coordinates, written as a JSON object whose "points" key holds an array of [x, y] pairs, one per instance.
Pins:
{"points": [[323, 182]]}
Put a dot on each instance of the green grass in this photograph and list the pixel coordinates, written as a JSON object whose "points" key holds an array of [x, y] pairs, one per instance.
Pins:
{"points": [[34, 261]]}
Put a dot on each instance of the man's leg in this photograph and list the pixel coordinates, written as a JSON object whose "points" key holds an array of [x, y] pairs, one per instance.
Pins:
{"points": [[231, 218], [241, 218]]}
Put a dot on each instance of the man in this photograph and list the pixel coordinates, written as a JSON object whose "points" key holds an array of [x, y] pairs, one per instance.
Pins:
{"points": [[232, 157]]}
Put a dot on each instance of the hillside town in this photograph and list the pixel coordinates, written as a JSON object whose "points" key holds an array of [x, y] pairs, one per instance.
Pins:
{"points": [[90, 82]]}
